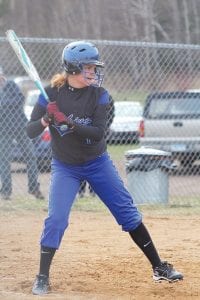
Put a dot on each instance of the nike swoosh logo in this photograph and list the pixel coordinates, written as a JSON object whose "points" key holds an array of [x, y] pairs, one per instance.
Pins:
{"points": [[145, 245]]}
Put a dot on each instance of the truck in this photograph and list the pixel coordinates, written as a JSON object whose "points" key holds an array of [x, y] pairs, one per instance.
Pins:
{"points": [[171, 122]]}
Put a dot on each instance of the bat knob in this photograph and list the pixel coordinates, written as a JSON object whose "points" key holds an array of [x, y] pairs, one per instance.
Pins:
{"points": [[64, 127]]}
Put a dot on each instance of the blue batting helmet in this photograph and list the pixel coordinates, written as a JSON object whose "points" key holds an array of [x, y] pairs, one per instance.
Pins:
{"points": [[76, 54]]}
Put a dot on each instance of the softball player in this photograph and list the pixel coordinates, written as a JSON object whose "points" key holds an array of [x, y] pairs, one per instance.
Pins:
{"points": [[79, 153]]}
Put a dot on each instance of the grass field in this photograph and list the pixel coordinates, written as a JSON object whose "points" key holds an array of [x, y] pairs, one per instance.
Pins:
{"points": [[94, 204], [183, 205], [117, 152], [84, 204]]}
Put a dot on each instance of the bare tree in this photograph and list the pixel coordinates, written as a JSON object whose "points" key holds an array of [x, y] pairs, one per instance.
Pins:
{"points": [[176, 20], [195, 8], [135, 20], [186, 21]]}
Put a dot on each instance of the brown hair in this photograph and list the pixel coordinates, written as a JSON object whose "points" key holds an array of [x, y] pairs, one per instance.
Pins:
{"points": [[58, 80]]}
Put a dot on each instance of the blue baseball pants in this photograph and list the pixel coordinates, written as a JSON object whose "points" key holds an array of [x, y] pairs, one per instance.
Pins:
{"points": [[104, 179]]}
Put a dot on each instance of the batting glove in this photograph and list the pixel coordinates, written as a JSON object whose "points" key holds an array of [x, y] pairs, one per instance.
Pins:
{"points": [[53, 115]]}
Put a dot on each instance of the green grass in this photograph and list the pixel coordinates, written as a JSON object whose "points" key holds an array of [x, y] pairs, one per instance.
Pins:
{"points": [[27, 204], [170, 209], [23, 203], [117, 152], [132, 95], [94, 204], [89, 204], [180, 206]]}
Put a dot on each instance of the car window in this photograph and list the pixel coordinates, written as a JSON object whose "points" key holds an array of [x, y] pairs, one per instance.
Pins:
{"points": [[25, 84], [127, 110], [32, 98], [174, 107]]}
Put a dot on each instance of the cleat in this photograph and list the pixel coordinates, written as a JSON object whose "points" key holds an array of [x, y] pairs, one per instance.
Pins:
{"points": [[165, 271], [41, 285]]}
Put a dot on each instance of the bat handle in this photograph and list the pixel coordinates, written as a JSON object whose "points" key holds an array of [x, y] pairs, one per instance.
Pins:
{"points": [[42, 90]]}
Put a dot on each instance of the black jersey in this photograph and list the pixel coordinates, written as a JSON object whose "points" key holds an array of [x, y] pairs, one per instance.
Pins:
{"points": [[88, 108]]}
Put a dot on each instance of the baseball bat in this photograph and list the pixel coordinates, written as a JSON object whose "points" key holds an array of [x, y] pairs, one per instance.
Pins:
{"points": [[27, 64], [25, 61]]}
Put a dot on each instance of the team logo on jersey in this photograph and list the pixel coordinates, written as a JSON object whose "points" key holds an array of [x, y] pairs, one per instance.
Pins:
{"points": [[63, 129], [82, 121]]}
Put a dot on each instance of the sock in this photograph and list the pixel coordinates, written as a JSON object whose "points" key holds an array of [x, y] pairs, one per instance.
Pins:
{"points": [[143, 240], [46, 256]]}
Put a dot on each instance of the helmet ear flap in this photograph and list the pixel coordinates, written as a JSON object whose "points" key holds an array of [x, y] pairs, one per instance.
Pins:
{"points": [[72, 68]]}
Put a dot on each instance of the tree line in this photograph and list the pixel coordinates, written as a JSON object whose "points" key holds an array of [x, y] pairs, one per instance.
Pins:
{"points": [[169, 21]]}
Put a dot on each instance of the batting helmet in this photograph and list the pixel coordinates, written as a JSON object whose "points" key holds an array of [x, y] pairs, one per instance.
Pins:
{"points": [[76, 54]]}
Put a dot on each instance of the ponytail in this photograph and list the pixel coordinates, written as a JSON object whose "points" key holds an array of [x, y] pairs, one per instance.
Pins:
{"points": [[58, 80]]}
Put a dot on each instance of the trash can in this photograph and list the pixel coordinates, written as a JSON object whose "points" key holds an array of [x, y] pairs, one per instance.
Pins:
{"points": [[147, 172]]}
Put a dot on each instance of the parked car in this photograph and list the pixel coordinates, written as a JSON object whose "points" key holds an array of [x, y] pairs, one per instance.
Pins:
{"points": [[26, 84], [41, 143], [125, 126], [30, 100], [171, 122]]}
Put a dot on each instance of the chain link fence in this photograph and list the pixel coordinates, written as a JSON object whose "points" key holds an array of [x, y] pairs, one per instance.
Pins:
{"points": [[133, 71]]}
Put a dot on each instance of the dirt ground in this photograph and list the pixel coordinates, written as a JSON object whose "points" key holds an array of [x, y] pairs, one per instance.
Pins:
{"points": [[96, 259]]}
